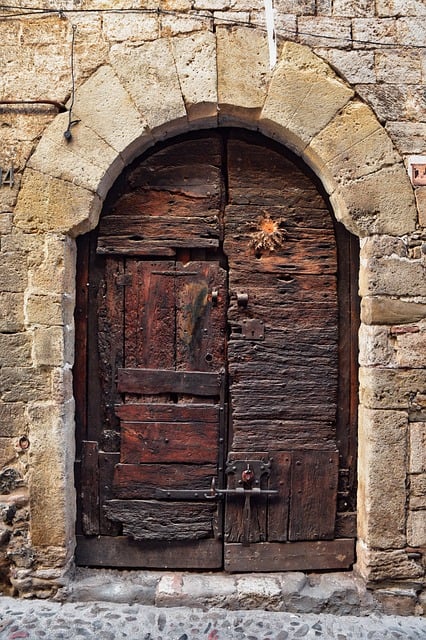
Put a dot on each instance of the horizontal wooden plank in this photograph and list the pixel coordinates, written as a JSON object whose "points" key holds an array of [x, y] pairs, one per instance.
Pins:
{"points": [[140, 481], [156, 381], [194, 442], [150, 202], [282, 434], [176, 412], [152, 520], [293, 556], [106, 551], [159, 227], [165, 247]]}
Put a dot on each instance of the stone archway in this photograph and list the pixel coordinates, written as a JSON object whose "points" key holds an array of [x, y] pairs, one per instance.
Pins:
{"points": [[207, 80]]}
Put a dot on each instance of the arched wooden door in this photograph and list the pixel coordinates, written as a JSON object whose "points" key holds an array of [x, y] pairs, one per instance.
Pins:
{"points": [[215, 374]]}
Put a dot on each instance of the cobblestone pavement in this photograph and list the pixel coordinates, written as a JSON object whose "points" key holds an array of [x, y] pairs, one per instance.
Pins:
{"points": [[110, 621]]}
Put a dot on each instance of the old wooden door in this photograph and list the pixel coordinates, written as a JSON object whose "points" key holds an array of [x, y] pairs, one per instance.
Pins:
{"points": [[216, 366]]}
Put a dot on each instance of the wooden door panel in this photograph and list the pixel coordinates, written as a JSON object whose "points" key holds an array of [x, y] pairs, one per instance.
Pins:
{"points": [[154, 520], [149, 314], [143, 412], [159, 442]]}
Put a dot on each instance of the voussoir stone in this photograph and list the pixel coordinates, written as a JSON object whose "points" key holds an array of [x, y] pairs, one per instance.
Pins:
{"points": [[84, 159], [352, 145], [366, 207], [242, 70], [104, 105], [148, 72], [50, 204], [195, 58], [303, 96]]}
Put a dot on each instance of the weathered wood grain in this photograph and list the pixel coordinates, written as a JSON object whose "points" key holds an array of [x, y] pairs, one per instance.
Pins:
{"points": [[146, 412], [89, 488], [152, 381], [152, 520], [168, 442], [141, 481]]}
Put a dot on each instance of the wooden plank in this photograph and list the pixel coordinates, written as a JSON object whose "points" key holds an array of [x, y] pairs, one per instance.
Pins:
{"points": [[237, 528], [201, 304], [160, 442], [107, 551], [313, 495], [278, 506], [151, 202], [107, 463], [294, 556], [165, 227], [80, 320], [135, 247], [152, 520], [141, 481], [180, 412], [149, 317], [279, 434], [155, 381], [89, 488]]}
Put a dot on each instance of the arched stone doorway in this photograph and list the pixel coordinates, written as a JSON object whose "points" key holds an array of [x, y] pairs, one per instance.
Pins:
{"points": [[216, 365], [308, 109]]}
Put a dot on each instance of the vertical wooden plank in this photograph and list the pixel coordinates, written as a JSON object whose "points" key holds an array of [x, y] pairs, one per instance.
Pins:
{"points": [[201, 302], [89, 488], [80, 359], [107, 463], [150, 314], [313, 495], [278, 506]]}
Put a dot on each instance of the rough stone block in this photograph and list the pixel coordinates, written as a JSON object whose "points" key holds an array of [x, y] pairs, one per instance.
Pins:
{"points": [[411, 31], [11, 312], [13, 419], [149, 74], [377, 566], [259, 591], [195, 58], [383, 310], [373, 30], [118, 28], [366, 207], [172, 25], [50, 204], [15, 349], [50, 346], [417, 462], [418, 493], [242, 70], [420, 194], [390, 102], [353, 66], [104, 105], [42, 309], [349, 8], [8, 452], [334, 593], [378, 246], [390, 8], [85, 160], [396, 602], [398, 67], [382, 496], [411, 349], [13, 273], [408, 137], [191, 590], [392, 276], [22, 384], [335, 30], [5, 223], [375, 346], [52, 266], [352, 145], [303, 97], [391, 388], [416, 528]]}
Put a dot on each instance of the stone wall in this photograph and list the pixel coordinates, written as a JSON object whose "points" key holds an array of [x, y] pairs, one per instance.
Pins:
{"points": [[349, 98]]}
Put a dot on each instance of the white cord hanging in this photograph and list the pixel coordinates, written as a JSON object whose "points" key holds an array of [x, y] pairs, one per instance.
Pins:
{"points": [[270, 28]]}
